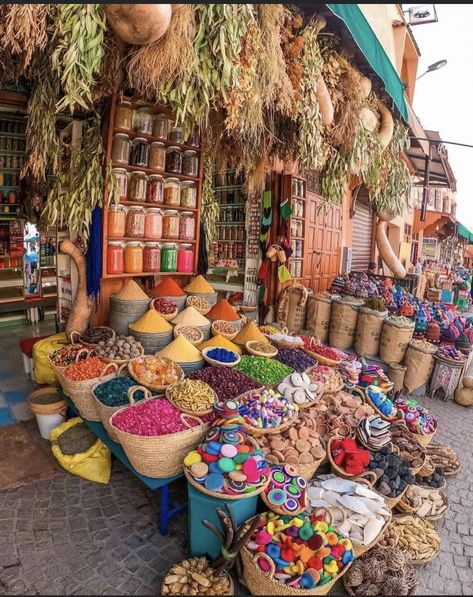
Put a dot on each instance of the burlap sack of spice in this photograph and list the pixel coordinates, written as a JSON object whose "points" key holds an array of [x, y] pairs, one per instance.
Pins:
{"points": [[319, 309], [396, 374], [394, 342], [420, 364], [368, 331], [292, 307], [343, 323]]}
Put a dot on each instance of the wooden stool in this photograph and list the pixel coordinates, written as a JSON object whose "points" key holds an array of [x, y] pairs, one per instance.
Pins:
{"points": [[446, 376]]}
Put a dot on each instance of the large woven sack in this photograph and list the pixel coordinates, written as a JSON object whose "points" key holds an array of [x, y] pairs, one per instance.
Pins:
{"points": [[319, 310], [396, 374], [292, 307], [343, 323], [368, 331], [394, 342], [420, 364]]}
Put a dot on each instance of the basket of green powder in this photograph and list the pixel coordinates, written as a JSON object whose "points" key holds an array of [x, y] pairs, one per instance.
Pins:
{"points": [[268, 372]]}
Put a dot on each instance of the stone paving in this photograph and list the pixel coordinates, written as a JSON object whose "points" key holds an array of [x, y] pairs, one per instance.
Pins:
{"points": [[70, 536]]}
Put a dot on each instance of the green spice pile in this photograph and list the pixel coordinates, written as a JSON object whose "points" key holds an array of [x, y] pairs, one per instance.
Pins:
{"points": [[266, 371], [375, 304], [76, 439], [115, 391]]}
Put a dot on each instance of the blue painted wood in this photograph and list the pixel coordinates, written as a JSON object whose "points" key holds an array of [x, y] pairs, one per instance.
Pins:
{"points": [[154, 483]]}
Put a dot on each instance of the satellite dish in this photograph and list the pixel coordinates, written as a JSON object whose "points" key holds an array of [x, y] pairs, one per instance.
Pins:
{"points": [[419, 15]]}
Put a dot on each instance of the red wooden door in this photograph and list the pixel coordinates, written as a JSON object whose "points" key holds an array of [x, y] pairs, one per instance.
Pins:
{"points": [[323, 233]]}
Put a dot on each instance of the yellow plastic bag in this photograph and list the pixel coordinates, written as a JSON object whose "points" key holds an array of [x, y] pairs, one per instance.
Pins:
{"points": [[94, 465], [43, 372]]}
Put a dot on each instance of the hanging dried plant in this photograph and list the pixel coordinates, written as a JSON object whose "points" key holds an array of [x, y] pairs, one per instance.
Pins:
{"points": [[311, 151], [210, 204], [80, 30], [25, 30], [169, 60], [78, 190], [42, 140], [291, 44], [111, 77]]}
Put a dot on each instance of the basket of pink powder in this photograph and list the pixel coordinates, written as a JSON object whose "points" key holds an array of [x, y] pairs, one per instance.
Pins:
{"points": [[156, 435]]}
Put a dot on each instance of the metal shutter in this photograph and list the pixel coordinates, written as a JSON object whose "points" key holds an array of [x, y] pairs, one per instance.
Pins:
{"points": [[362, 234]]}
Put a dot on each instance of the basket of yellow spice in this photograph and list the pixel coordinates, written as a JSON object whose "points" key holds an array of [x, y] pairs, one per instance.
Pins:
{"points": [[199, 286], [190, 316], [220, 342], [152, 331], [185, 354], [249, 332], [192, 396]]}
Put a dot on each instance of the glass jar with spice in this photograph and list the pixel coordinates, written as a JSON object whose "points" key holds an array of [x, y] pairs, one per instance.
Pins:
{"points": [[135, 222], [124, 116], [143, 120], [137, 186], [115, 258], [151, 257], [121, 148], [133, 258], [139, 152], [155, 189], [116, 221], [153, 223], [168, 257], [185, 259], [176, 134], [161, 126], [187, 226], [172, 192], [121, 179], [194, 138], [173, 160], [157, 156], [188, 195], [190, 163], [171, 224]]}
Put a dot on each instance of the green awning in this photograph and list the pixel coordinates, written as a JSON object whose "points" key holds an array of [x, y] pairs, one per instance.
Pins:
{"points": [[463, 232], [365, 38]]}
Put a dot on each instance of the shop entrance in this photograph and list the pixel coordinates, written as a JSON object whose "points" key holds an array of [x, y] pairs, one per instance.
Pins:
{"points": [[322, 247], [362, 234]]}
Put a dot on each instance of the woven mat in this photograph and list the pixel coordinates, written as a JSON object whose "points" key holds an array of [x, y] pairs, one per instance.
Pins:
{"points": [[22, 458]]}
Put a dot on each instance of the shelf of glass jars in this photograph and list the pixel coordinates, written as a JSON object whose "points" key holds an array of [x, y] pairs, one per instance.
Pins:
{"points": [[152, 139], [177, 241], [156, 205], [152, 171], [147, 274], [226, 240]]}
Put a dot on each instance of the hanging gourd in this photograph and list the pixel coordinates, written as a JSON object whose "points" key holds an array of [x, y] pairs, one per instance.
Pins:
{"points": [[386, 251], [139, 24], [387, 126], [325, 102], [365, 85]]}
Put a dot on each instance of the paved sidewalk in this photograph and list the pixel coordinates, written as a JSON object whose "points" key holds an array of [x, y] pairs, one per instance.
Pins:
{"points": [[68, 536]]}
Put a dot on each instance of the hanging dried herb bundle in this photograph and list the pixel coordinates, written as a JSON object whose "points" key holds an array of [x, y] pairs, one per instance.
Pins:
{"points": [[80, 30], [42, 139], [210, 204], [79, 190], [310, 151], [111, 77], [218, 33], [25, 30], [168, 61], [291, 44]]}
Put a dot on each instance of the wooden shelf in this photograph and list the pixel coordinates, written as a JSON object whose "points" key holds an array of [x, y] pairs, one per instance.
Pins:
{"points": [[152, 240], [157, 206], [152, 139], [147, 275], [129, 168]]}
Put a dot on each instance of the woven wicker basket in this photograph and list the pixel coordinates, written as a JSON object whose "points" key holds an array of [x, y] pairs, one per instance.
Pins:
{"points": [[337, 470], [263, 583], [196, 414], [405, 508], [376, 409], [231, 588], [211, 361], [321, 359], [222, 496], [191, 300], [179, 301], [216, 332], [81, 394], [105, 412], [154, 387], [249, 347], [211, 297], [424, 440], [90, 345], [256, 431], [59, 370], [120, 362], [179, 326], [159, 456], [166, 317], [401, 519], [431, 451]]}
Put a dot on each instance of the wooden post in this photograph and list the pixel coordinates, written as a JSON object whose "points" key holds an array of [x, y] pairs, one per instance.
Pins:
{"points": [[423, 211]]}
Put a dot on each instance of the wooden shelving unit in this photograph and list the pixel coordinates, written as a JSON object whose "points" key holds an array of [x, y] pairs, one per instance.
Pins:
{"points": [[295, 191], [112, 130]]}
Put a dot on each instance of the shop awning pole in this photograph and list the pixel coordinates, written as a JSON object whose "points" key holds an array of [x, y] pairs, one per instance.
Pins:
{"points": [[423, 210]]}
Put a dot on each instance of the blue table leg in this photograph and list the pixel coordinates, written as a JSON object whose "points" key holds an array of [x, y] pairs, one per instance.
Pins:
{"points": [[165, 514]]}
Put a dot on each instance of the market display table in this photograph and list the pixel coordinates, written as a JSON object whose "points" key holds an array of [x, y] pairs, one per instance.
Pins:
{"points": [[166, 510]]}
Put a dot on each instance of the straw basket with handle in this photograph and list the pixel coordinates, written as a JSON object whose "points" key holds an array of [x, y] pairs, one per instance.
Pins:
{"points": [[154, 386], [77, 338], [260, 582], [404, 507], [59, 369], [171, 389], [368, 400], [123, 361], [256, 431], [338, 470], [165, 316], [105, 412], [81, 394], [159, 455]]}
